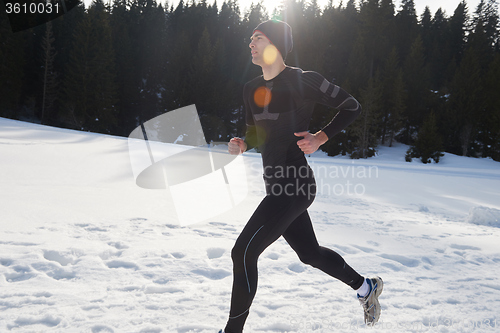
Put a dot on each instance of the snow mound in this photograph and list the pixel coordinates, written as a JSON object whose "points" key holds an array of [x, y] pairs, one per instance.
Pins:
{"points": [[484, 216]]}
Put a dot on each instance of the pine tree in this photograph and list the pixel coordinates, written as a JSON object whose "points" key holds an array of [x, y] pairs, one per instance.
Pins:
{"points": [[406, 27], [313, 38], [49, 75], [393, 97], [486, 16], [366, 127], [466, 100], [201, 78], [428, 144], [426, 28], [358, 68], [150, 58], [439, 54], [342, 27], [397, 107], [457, 31], [90, 86], [484, 35], [63, 29], [123, 30], [469, 93], [417, 83], [489, 136], [12, 59], [373, 24]]}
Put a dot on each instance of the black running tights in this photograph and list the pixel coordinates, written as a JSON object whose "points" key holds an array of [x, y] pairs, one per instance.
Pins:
{"points": [[283, 212]]}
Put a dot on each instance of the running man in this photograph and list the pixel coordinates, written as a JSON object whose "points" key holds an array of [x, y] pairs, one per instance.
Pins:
{"points": [[278, 106]]}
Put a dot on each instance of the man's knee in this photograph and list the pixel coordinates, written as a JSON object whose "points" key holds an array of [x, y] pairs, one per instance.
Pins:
{"points": [[244, 252], [237, 252]]}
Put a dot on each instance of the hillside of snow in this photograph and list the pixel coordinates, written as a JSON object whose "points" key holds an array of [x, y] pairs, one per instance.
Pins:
{"points": [[84, 249]]}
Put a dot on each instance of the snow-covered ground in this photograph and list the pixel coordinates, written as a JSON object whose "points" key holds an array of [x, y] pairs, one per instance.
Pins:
{"points": [[83, 249]]}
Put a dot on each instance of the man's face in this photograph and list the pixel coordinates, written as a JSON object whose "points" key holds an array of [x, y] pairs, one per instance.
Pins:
{"points": [[263, 52]]}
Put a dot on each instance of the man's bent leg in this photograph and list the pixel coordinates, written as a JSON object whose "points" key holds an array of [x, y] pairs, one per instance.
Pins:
{"points": [[300, 235]]}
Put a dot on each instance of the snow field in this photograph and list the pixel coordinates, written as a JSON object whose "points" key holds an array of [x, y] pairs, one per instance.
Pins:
{"points": [[83, 249]]}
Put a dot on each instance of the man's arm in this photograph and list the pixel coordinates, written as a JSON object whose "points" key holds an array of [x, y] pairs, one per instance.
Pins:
{"points": [[318, 89]]}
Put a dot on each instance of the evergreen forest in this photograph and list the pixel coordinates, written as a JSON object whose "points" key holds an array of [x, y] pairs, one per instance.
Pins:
{"points": [[428, 80]]}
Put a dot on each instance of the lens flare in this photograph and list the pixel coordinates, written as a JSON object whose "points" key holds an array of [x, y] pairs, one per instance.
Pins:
{"points": [[270, 54], [258, 137], [262, 96]]}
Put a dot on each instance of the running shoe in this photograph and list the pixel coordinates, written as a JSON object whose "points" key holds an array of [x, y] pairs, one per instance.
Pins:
{"points": [[370, 303]]}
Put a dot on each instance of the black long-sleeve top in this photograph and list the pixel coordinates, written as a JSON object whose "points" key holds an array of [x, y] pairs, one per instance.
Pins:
{"points": [[278, 108]]}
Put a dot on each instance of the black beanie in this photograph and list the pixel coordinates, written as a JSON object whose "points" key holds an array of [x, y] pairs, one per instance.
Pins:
{"points": [[279, 34]]}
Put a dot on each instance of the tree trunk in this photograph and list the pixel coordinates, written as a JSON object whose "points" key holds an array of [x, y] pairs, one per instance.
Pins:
{"points": [[465, 138]]}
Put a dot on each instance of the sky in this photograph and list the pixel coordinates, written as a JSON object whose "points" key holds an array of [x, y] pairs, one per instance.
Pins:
{"points": [[448, 5]]}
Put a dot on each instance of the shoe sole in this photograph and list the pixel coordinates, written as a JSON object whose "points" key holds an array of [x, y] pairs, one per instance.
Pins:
{"points": [[380, 288]]}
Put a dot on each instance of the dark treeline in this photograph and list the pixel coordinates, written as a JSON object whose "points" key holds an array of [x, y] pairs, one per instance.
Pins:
{"points": [[431, 81]]}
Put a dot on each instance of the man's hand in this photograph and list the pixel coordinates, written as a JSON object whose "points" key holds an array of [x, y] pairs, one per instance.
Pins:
{"points": [[236, 146], [311, 142]]}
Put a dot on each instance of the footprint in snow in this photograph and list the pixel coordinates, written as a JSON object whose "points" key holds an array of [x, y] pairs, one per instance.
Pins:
{"points": [[215, 252], [413, 306], [223, 226], [101, 329], [273, 256], [405, 261], [91, 228], [161, 290], [47, 320], [58, 257], [453, 301], [218, 223], [364, 249], [178, 255], [110, 254], [151, 330], [21, 273], [19, 243], [54, 271], [212, 274], [393, 267], [492, 286], [5, 262], [121, 264], [464, 247], [427, 261], [118, 245], [346, 249], [138, 219], [296, 267]]}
